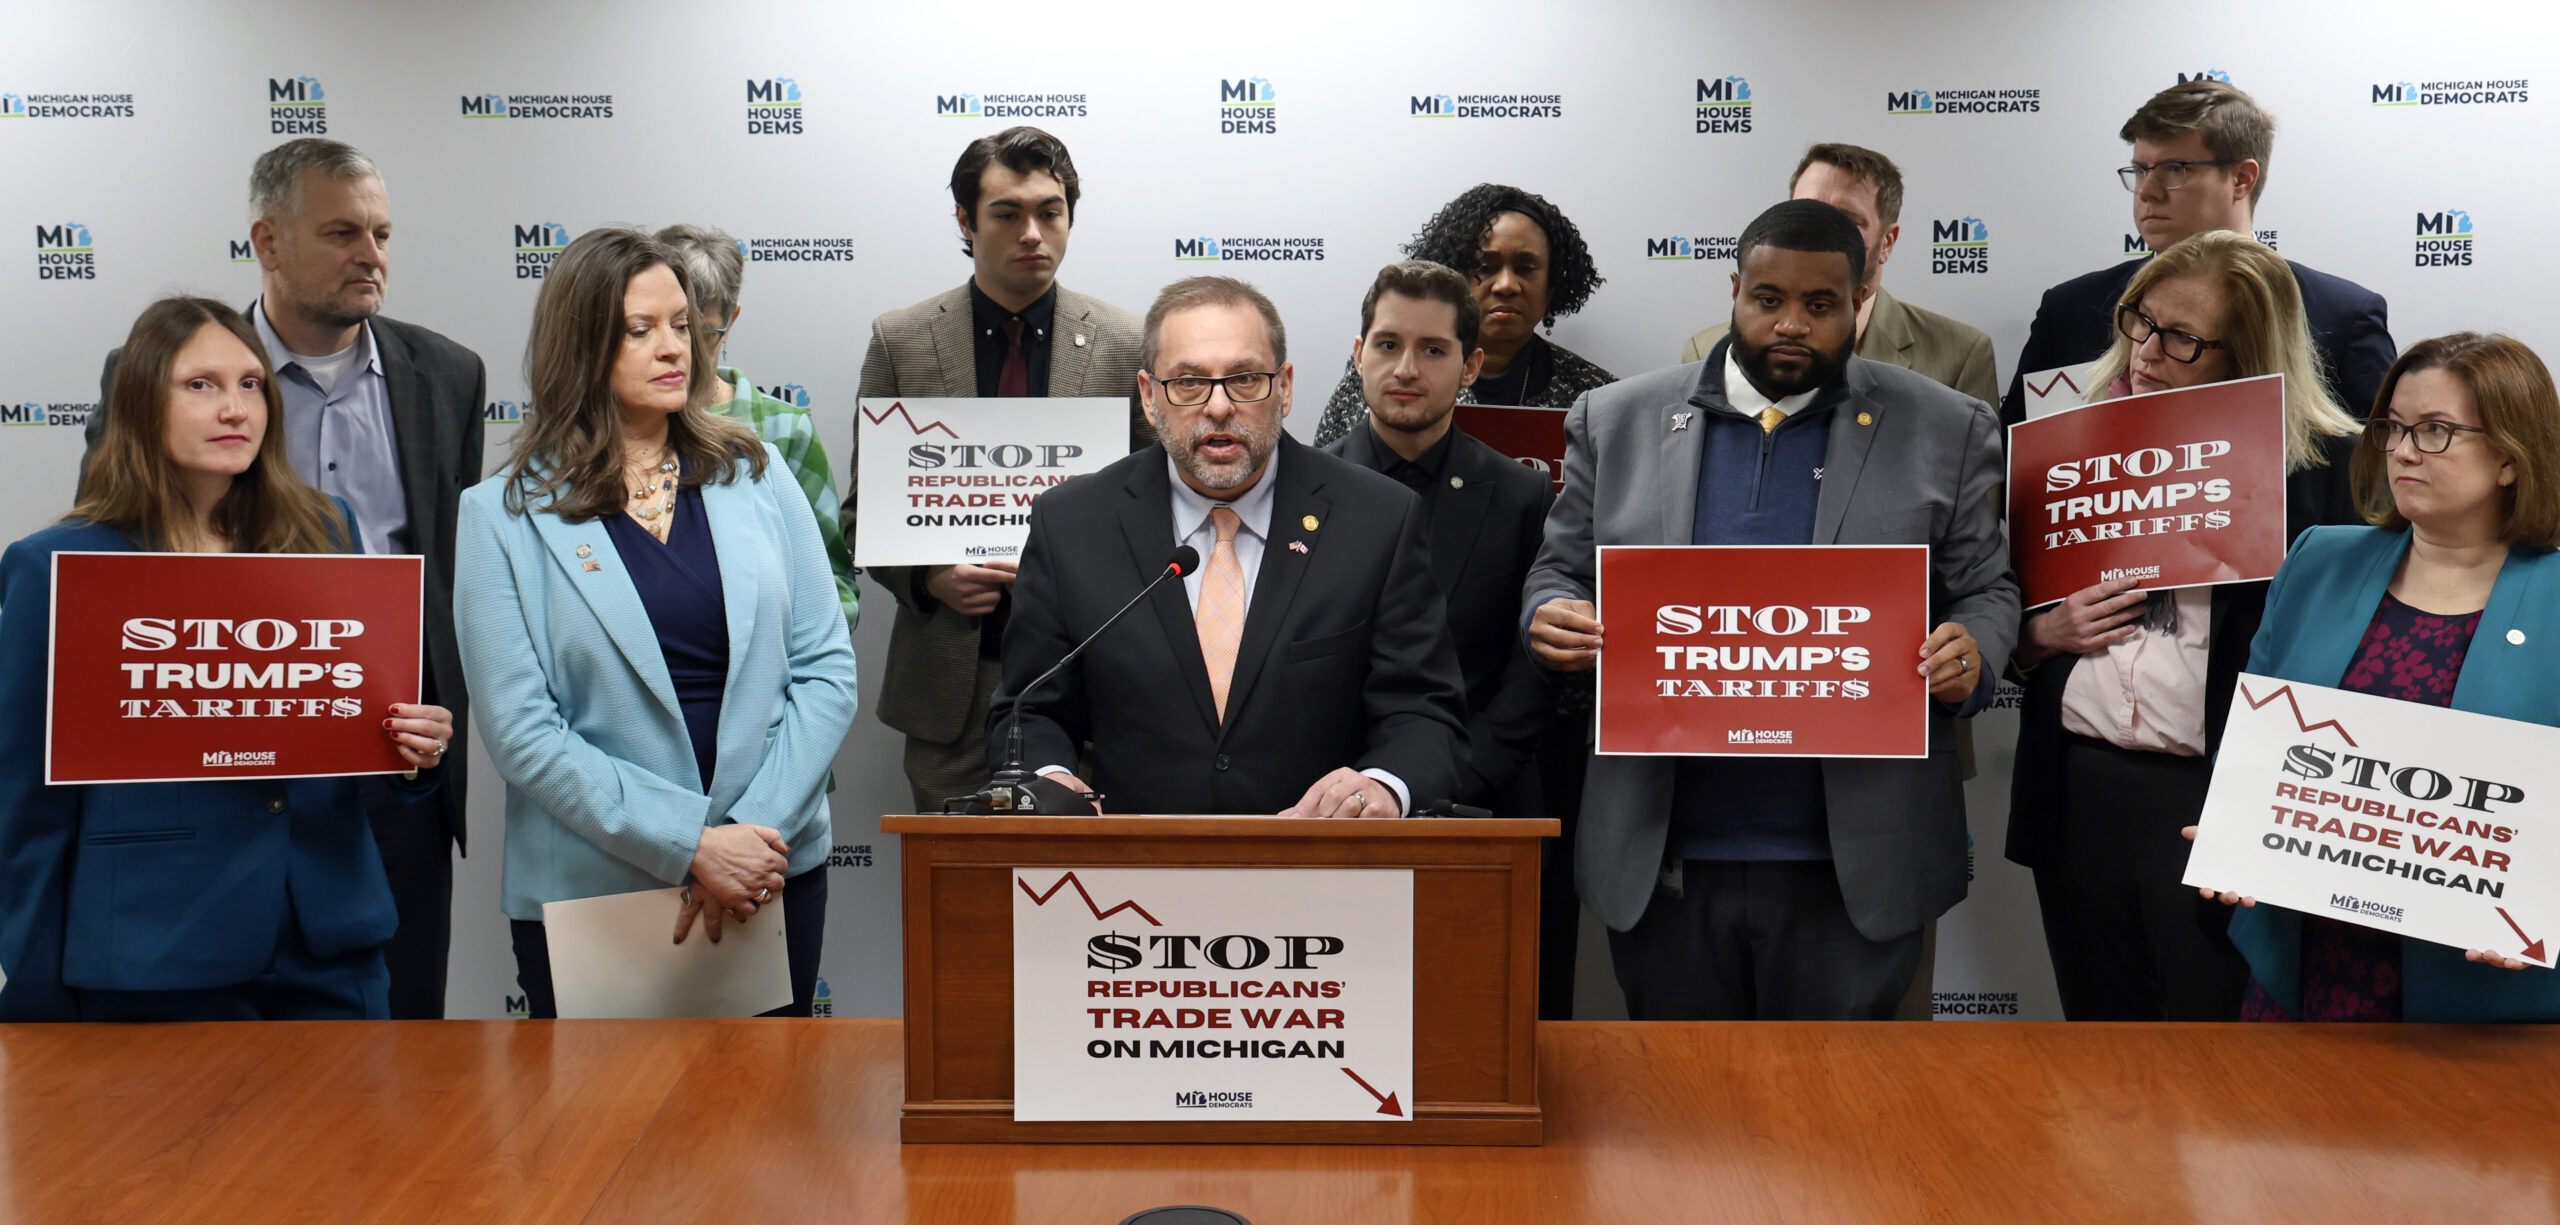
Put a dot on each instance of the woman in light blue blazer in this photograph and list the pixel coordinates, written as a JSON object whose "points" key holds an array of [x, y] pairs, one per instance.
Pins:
{"points": [[226, 899], [650, 628], [2452, 598]]}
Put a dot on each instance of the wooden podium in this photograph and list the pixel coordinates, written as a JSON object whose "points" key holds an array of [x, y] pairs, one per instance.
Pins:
{"points": [[1475, 956]]}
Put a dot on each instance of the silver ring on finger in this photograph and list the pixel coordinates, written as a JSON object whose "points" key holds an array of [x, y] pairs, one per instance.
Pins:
{"points": [[1363, 797], [765, 894], [1964, 663], [438, 751]]}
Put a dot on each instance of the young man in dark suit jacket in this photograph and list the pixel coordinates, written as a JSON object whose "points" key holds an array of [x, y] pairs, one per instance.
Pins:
{"points": [[1012, 330], [2200, 151], [386, 415], [1303, 668]]}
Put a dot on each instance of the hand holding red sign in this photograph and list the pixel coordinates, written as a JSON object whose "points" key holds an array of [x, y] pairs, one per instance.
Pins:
{"points": [[1533, 436], [2172, 489], [1753, 650]]}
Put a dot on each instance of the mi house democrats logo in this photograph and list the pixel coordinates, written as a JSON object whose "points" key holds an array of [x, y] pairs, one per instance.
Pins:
{"points": [[796, 396], [1229, 250], [38, 412], [1690, 250], [796, 250], [66, 106], [2444, 239], [537, 106], [2209, 74], [2452, 93], [1485, 106], [1010, 106], [1724, 105], [773, 107], [1247, 107], [66, 252], [538, 247], [297, 107], [1964, 102], [503, 412], [1961, 247], [241, 252], [2134, 246]]}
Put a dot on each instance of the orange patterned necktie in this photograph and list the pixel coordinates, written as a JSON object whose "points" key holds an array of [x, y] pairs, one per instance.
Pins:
{"points": [[1220, 616]]}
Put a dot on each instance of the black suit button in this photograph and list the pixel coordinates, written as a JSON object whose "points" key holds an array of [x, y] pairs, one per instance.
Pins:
{"points": [[276, 804], [1221, 763]]}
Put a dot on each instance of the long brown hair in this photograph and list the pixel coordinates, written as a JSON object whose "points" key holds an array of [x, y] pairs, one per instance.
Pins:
{"points": [[134, 487], [2512, 391], [568, 457]]}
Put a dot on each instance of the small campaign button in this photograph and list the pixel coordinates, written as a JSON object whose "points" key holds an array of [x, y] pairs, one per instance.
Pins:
{"points": [[1457, 482], [2515, 637], [1309, 522], [586, 550], [1865, 419]]}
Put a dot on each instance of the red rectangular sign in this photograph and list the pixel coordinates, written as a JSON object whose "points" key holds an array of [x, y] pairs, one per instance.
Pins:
{"points": [[175, 666], [1764, 650], [1534, 436], [2176, 489]]}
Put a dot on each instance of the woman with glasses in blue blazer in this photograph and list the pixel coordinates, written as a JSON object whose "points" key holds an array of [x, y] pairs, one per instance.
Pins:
{"points": [[650, 628], [2451, 598]]}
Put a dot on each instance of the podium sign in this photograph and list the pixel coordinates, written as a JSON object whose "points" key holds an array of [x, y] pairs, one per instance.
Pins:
{"points": [[1186, 993]]}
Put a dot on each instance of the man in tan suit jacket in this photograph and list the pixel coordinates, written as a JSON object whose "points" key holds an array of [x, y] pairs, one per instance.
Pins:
{"points": [[1867, 185], [1011, 330]]}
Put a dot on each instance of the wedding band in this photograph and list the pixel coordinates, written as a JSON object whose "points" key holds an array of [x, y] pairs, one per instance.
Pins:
{"points": [[765, 894], [439, 749], [1361, 796], [1965, 662]]}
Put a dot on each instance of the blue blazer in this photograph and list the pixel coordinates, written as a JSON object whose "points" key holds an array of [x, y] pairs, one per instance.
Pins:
{"points": [[2317, 612], [157, 886], [580, 717]]}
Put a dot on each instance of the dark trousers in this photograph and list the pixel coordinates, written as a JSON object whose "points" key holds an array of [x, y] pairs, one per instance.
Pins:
{"points": [[2128, 941], [804, 928], [297, 986], [1758, 941], [1562, 761], [417, 854]]}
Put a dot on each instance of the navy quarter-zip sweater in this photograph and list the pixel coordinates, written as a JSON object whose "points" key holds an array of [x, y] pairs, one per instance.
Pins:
{"points": [[1754, 487]]}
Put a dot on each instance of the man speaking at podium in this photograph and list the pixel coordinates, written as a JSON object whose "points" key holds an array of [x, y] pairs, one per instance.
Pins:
{"points": [[1303, 667]]}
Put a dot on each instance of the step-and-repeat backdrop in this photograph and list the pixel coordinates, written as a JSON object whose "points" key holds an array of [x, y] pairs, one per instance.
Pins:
{"points": [[1294, 145]]}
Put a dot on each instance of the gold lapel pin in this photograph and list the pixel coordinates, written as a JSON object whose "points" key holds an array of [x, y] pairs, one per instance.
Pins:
{"points": [[1864, 419], [586, 550], [1309, 522]]}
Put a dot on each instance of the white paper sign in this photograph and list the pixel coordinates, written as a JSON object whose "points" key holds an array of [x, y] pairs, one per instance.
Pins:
{"points": [[2408, 818], [616, 956], [2051, 391], [1208, 994], [946, 482]]}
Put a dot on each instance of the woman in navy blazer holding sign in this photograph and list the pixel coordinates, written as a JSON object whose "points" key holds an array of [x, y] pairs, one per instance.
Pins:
{"points": [[2452, 598], [231, 899], [650, 628]]}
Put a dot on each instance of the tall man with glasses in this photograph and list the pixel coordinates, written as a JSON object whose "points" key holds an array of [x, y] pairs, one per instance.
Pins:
{"points": [[1012, 330], [1303, 668], [2200, 152]]}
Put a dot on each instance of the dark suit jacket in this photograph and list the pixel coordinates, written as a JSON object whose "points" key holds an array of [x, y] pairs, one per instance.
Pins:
{"points": [[157, 886], [2350, 325], [2312, 497], [437, 390], [1484, 533], [1346, 658]]}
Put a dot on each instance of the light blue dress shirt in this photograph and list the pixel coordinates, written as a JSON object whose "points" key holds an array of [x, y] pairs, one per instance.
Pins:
{"points": [[339, 438]]}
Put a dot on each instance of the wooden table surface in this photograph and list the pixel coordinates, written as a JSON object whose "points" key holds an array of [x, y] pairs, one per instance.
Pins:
{"points": [[732, 1122]]}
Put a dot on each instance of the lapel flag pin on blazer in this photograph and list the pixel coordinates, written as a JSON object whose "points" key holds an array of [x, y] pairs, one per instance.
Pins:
{"points": [[1864, 419], [1297, 546], [1309, 522]]}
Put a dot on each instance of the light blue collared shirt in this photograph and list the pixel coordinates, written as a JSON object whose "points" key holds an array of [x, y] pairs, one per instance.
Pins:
{"points": [[339, 438]]}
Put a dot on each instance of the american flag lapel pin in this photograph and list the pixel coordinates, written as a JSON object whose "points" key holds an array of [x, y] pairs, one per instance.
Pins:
{"points": [[1298, 546]]}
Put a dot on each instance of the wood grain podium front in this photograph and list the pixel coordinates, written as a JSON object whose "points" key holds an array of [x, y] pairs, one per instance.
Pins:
{"points": [[1475, 957]]}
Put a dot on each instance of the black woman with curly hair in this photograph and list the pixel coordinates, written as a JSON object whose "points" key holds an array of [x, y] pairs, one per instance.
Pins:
{"points": [[1529, 266]]}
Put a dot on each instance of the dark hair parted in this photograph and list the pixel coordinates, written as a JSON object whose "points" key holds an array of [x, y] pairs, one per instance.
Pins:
{"points": [[568, 456], [1201, 291], [1022, 150], [1805, 225], [134, 487], [1424, 281], [2512, 391], [2233, 127], [1456, 233], [1866, 166]]}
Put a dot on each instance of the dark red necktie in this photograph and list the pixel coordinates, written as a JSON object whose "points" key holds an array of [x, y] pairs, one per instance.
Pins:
{"points": [[1015, 379]]}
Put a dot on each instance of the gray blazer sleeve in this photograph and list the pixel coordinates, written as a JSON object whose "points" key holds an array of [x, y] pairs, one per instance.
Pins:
{"points": [[1567, 567], [1972, 558]]}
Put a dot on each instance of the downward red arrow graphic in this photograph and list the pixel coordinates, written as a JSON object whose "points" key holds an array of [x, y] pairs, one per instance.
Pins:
{"points": [[2532, 950], [1387, 1102]]}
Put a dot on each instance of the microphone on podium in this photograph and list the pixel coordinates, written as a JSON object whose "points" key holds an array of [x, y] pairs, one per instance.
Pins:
{"points": [[1013, 789]]}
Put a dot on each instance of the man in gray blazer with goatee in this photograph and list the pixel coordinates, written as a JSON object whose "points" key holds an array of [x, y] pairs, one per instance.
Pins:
{"points": [[1741, 888], [1011, 331]]}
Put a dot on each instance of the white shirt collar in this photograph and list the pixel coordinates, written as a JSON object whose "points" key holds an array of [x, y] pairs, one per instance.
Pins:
{"points": [[1746, 398]]}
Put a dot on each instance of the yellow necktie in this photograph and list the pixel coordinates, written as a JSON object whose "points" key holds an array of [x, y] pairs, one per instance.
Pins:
{"points": [[1220, 616], [1769, 419]]}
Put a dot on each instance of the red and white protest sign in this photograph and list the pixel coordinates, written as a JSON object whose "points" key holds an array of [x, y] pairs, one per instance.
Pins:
{"points": [[2176, 488], [1764, 650], [1534, 436], [167, 667]]}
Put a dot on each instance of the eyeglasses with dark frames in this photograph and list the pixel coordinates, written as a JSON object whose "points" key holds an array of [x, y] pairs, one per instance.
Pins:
{"points": [[2432, 437], [1190, 390], [2173, 175], [2179, 346]]}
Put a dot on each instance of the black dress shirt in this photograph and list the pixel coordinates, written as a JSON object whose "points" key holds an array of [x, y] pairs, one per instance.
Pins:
{"points": [[987, 337], [1426, 475]]}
